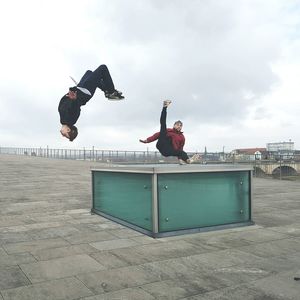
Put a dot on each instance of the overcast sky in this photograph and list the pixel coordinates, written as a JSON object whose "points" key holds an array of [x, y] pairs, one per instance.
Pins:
{"points": [[231, 67]]}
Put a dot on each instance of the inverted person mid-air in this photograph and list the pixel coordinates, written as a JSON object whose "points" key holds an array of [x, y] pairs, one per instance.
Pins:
{"points": [[70, 104]]}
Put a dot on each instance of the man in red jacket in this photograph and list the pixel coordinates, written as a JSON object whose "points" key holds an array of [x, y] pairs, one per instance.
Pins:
{"points": [[170, 140]]}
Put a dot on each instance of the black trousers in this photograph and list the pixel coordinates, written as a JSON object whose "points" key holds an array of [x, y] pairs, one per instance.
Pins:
{"points": [[100, 78], [164, 143]]}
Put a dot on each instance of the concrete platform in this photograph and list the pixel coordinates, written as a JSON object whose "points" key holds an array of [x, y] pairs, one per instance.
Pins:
{"points": [[51, 247]]}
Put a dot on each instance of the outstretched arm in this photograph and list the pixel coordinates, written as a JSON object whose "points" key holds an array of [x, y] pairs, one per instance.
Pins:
{"points": [[151, 138]]}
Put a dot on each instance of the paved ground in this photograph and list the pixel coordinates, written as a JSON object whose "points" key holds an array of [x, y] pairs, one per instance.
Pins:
{"points": [[52, 248]]}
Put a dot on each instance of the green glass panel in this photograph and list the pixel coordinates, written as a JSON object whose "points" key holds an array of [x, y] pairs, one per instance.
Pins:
{"points": [[126, 196], [193, 200]]}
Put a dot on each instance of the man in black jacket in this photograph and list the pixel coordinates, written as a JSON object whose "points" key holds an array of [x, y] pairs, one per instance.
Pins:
{"points": [[69, 105]]}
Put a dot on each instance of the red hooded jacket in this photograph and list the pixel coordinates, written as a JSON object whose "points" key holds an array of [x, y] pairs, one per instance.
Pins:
{"points": [[177, 138]]}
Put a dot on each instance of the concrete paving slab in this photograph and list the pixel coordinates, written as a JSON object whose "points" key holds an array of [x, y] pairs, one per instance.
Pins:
{"points": [[60, 267], [176, 289], [49, 218], [239, 274], [12, 277], [271, 220], [14, 237], [273, 248], [60, 231], [47, 254], [85, 219], [100, 226], [294, 257], [15, 259], [131, 256], [110, 260], [262, 235], [291, 229], [277, 264], [144, 240], [125, 294], [161, 251], [114, 244], [30, 227], [222, 258], [175, 267], [237, 292], [11, 220], [63, 289], [222, 240], [197, 279], [125, 233], [121, 278], [281, 285], [89, 237], [78, 211], [34, 245]]}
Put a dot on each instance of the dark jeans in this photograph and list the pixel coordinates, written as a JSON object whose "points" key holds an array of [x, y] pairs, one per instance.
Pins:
{"points": [[164, 143], [100, 78]]}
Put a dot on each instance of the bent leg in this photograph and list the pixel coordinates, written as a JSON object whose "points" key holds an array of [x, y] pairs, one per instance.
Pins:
{"points": [[181, 155], [166, 149], [99, 78], [87, 82], [84, 78], [103, 79]]}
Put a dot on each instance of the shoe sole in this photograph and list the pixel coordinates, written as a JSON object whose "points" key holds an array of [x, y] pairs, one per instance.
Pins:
{"points": [[115, 99]]}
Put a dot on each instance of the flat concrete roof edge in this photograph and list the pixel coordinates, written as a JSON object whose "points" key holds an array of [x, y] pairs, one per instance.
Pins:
{"points": [[174, 168]]}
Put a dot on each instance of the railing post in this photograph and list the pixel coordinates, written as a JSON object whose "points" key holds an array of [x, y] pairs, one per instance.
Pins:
{"points": [[279, 167]]}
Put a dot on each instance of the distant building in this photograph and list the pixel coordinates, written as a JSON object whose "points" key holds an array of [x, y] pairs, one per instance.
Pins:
{"points": [[283, 150], [211, 156], [250, 153], [281, 147]]}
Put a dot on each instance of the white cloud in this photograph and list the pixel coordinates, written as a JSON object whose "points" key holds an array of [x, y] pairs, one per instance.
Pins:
{"points": [[230, 67]]}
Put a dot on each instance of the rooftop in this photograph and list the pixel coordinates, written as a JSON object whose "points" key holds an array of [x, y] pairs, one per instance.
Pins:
{"points": [[51, 247]]}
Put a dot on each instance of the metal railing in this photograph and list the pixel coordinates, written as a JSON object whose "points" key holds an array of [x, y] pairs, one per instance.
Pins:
{"points": [[106, 156], [273, 166]]}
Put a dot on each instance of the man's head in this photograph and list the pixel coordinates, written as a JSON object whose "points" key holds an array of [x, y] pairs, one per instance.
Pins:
{"points": [[177, 126], [69, 131], [72, 94]]}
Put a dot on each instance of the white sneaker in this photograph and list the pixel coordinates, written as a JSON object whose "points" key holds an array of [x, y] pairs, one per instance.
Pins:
{"points": [[181, 162], [195, 158], [167, 103]]}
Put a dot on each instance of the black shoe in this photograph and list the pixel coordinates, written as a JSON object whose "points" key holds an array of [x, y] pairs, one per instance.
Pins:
{"points": [[116, 95]]}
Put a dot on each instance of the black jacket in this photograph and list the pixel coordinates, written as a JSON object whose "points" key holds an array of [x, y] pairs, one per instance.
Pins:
{"points": [[69, 110]]}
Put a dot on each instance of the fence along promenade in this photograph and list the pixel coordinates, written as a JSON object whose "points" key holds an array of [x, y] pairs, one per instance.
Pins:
{"points": [[93, 154], [127, 157]]}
